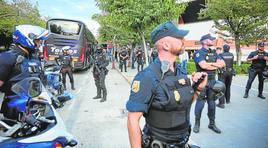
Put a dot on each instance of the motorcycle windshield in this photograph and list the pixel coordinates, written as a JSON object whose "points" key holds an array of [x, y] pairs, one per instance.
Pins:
{"points": [[25, 89]]}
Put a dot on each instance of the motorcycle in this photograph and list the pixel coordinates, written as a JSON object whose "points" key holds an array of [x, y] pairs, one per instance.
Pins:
{"points": [[38, 124], [55, 87]]}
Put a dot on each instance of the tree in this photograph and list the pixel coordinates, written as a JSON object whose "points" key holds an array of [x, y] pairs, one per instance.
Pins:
{"points": [[245, 20], [140, 16], [17, 12]]}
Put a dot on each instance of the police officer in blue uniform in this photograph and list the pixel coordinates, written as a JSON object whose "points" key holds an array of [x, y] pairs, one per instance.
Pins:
{"points": [[207, 60], [226, 74], [66, 66], [123, 56], [257, 67], [18, 63], [163, 95], [140, 58]]}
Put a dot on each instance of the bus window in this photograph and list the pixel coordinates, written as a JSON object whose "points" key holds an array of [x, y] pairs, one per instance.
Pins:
{"points": [[67, 28]]}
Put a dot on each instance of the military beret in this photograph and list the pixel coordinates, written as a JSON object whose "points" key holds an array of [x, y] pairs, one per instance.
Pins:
{"points": [[167, 29], [261, 44], [207, 36]]}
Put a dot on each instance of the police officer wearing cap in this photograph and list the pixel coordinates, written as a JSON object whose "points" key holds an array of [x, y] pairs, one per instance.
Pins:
{"points": [[163, 95], [99, 73], [207, 60], [66, 66], [226, 74], [140, 58], [18, 63], [258, 65]]}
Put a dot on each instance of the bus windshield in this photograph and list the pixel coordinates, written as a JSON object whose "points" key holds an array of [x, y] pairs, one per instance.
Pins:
{"points": [[67, 28]]}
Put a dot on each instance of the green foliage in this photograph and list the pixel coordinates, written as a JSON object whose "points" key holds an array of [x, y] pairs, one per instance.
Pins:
{"points": [[17, 12], [242, 69], [245, 20], [134, 18]]}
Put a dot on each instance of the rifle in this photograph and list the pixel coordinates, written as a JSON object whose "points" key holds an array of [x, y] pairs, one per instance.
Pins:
{"points": [[95, 64]]}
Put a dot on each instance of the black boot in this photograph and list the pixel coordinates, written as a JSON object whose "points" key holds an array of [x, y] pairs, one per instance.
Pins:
{"points": [[213, 127], [98, 94], [196, 125], [261, 96], [246, 94], [72, 84], [221, 105], [104, 97]]}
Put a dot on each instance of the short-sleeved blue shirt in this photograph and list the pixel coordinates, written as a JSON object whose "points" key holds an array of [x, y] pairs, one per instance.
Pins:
{"points": [[200, 55], [144, 84]]}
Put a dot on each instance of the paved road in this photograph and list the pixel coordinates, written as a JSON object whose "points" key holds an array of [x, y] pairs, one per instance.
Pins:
{"points": [[103, 125]]}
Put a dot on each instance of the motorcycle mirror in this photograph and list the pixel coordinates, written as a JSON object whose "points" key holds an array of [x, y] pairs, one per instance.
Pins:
{"points": [[35, 88]]}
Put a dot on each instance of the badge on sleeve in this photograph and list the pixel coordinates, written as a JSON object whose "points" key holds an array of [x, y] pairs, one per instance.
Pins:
{"points": [[182, 81], [177, 95], [197, 55], [135, 86]]}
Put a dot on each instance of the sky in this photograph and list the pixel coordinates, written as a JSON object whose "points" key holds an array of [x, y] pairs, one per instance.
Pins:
{"points": [[81, 10]]}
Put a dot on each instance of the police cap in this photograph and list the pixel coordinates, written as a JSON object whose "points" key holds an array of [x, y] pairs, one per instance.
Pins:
{"points": [[207, 36], [167, 29]]}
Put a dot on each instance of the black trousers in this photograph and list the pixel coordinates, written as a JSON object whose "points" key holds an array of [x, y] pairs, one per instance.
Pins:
{"points": [[252, 73], [226, 78], [100, 82], [123, 63], [206, 95], [67, 70]]}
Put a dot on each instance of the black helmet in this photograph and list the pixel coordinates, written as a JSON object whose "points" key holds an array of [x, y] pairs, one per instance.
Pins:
{"points": [[219, 87], [265, 73], [226, 48], [261, 44]]}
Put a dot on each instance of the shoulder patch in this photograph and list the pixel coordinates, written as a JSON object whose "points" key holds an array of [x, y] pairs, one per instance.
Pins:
{"points": [[135, 86], [197, 55]]}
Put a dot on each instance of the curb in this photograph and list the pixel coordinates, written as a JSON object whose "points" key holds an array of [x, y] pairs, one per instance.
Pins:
{"points": [[122, 75]]}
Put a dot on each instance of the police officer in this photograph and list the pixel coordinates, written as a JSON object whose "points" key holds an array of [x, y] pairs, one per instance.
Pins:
{"points": [[162, 94], [226, 74], [207, 60], [140, 58], [66, 66], [258, 59], [154, 54], [123, 55], [99, 73], [17, 64]]}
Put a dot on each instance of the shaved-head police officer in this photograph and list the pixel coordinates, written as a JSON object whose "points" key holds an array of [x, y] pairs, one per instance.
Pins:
{"points": [[163, 95]]}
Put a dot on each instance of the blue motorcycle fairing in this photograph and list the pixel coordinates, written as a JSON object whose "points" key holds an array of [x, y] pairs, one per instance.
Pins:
{"points": [[47, 144], [18, 101]]}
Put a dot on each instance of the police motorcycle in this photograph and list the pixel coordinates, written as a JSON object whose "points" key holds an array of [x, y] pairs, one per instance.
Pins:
{"points": [[38, 123], [54, 85]]}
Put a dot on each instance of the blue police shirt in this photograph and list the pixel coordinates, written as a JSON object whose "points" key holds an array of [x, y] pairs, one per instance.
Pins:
{"points": [[200, 55], [7, 61], [144, 84]]}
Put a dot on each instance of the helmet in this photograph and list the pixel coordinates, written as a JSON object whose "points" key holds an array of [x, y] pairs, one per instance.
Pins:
{"points": [[219, 87], [226, 48], [261, 44], [66, 48], [26, 34]]}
